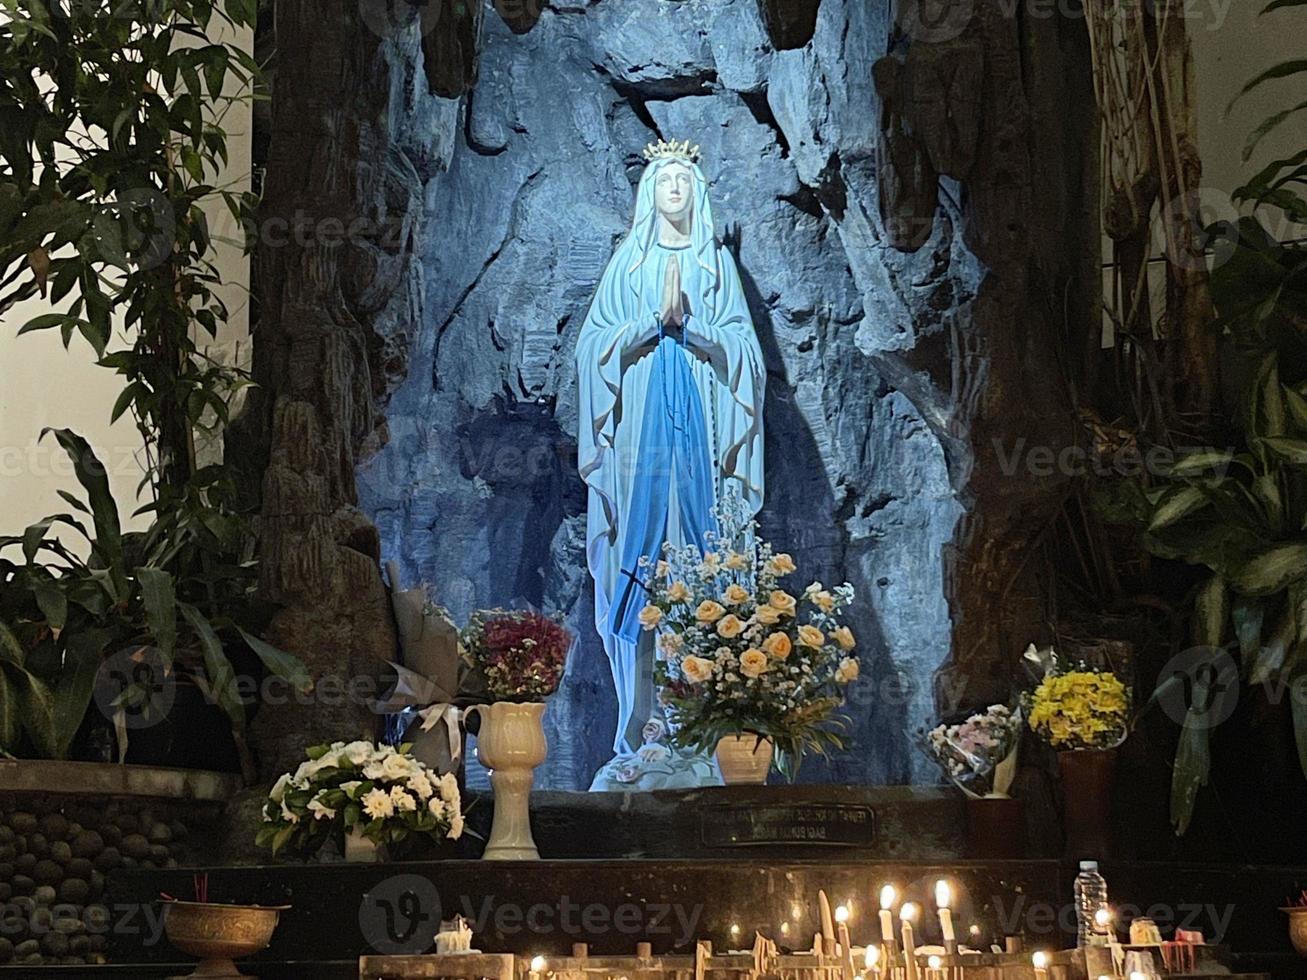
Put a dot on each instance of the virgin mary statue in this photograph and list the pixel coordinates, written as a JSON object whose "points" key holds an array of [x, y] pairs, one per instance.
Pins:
{"points": [[671, 393]]}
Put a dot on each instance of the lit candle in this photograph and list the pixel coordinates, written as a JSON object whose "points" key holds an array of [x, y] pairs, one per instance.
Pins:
{"points": [[974, 933], [943, 899], [1103, 923], [871, 960], [935, 965], [888, 896], [906, 915], [1040, 961], [842, 922], [538, 964]]}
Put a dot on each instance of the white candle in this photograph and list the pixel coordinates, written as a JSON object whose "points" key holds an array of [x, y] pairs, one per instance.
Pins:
{"points": [[906, 915], [1040, 962], [827, 924], [842, 923], [871, 960], [888, 896], [943, 899]]}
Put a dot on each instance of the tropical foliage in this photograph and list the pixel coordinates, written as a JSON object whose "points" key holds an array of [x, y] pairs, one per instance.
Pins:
{"points": [[111, 134], [1242, 514]]}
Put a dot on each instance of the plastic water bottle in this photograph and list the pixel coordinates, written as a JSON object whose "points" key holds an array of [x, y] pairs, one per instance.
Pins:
{"points": [[1091, 895]]}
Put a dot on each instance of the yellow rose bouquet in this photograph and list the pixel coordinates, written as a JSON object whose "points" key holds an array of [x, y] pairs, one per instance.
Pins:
{"points": [[739, 654], [1076, 707]]}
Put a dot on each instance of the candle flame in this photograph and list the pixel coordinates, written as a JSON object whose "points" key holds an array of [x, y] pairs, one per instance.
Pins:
{"points": [[934, 962], [908, 913], [943, 894], [888, 896], [975, 931], [538, 963], [1040, 959], [1103, 917], [872, 956], [841, 913], [1138, 975]]}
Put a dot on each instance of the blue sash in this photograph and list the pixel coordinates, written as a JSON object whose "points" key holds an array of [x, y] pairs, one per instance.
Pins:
{"points": [[673, 443]]}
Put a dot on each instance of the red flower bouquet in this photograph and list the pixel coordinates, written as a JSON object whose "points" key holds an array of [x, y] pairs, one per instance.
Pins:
{"points": [[520, 655]]}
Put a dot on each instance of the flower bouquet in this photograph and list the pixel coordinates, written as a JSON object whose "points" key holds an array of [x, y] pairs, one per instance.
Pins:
{"points": [[1076, 707], [741, 656], [516, 656], [516, 661], [361, 792], [1084, 714], [978, 755]]}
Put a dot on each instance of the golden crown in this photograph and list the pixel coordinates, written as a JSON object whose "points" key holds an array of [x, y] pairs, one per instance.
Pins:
{"points": [[663, 150]]}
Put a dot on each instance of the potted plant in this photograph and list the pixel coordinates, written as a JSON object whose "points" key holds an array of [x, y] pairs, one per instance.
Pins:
{"points": [[363, 796], [979, 756], [1084, 715], [748, 671], [106, 178], [516, 661]]}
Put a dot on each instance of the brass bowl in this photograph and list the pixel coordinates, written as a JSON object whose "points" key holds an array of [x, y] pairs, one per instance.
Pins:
{"points": [[1298, 928], [217, 934]]}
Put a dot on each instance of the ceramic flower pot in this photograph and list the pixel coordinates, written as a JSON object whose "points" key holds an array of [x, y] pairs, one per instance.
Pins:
{"points": [[1298, 928], [745, 760], [511, 743], [1087, 777]]}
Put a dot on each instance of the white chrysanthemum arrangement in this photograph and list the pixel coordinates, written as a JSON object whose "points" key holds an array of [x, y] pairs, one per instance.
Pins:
{"points": [[378, 790]]}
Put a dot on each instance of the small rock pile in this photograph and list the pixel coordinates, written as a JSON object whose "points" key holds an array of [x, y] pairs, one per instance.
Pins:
{"points": [[54, 858]]}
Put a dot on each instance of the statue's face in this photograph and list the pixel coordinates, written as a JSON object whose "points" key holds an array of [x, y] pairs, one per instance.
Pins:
{"points": [[672, 191]]}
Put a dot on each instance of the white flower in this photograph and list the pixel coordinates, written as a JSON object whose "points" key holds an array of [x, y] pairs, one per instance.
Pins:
{"points": [[357, 753], [393, 768], [320, 810], [278, 791], [378, 805], [421, 785], [311, 767], [404, 803], [455, 827], [449, 787], [350, 787], [288, 814]]}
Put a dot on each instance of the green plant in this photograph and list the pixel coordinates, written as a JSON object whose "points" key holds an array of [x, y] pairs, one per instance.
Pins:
{"points": [[111, 134], [110, 138], [184, 587], [1243, 514]]}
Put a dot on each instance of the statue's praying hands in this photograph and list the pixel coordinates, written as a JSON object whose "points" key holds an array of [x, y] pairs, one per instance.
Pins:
{"points": [[672, 310]]}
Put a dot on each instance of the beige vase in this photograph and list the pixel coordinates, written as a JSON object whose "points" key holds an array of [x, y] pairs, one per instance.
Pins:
{"points": [[745, 760], [359, 849], [511, 743]]}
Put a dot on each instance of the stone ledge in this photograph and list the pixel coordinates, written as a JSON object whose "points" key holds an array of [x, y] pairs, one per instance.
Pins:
{"points": [[102, 779]]}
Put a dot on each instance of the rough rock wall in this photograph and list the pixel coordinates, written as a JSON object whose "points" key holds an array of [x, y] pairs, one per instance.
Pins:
{"points": [[473, 485], [353, 137]]}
